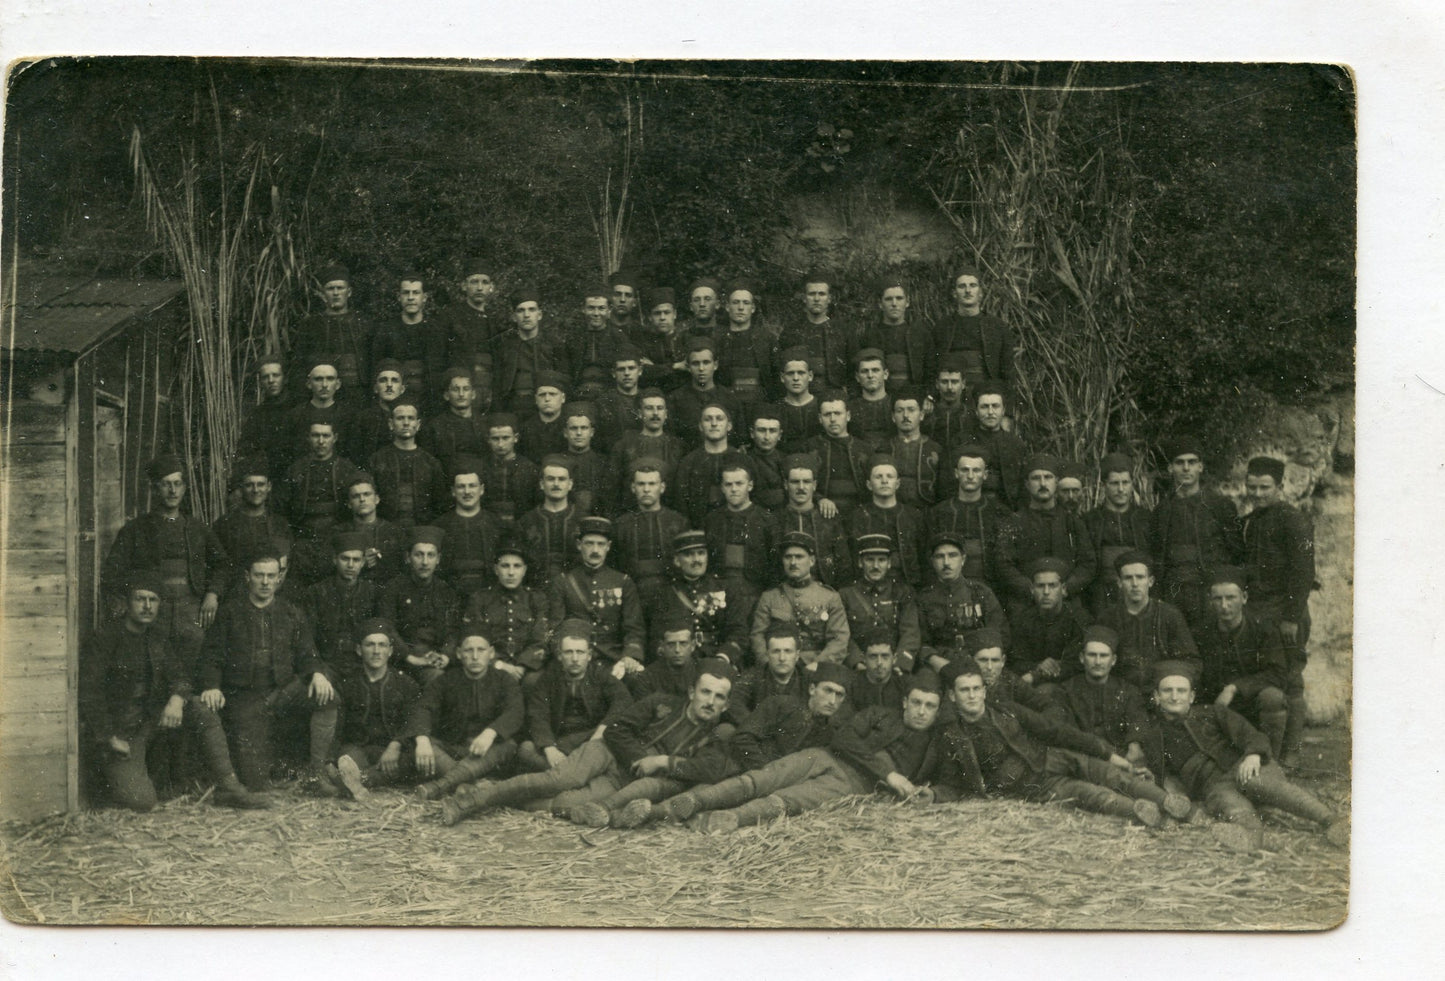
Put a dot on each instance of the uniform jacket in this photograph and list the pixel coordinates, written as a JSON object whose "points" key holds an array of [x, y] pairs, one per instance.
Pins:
{"points": [[1035, 534], [1026, 733], [409, 473], [780, 726], [1005, 453], [516, 621], [1194, 534], [241, 535], [335, 608], [919, 470], [1218, 732], [743, 545], [1159, 633], [684, 410], [835, 565], [396, 693], [949, 611], [1279, 559], [845, 454], [721, 621], [603, 698], [658, 725], [865, 741], [545, 352], [135, 549], [424, 613], [643, 548], [904, 527], [511, 486], [447, 436], [608, 599], [551, 540], [126, 679], [768, 481], [818, 613], [1114, 533], [469, 548], [1113, 711], [886, 605], [584, 346], [863, 693], [997, 341], [316, 489], [1253, 657], [454, 709], [831, 348], [981, 523], [913, 340], [232, 654], [1037, 636]]}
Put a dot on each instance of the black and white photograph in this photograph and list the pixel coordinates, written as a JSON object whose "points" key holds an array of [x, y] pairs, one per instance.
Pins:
{"points": [[678, 493]]}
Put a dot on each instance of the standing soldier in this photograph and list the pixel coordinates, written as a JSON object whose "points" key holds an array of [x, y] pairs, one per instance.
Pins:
{"points": [[835, 561], [685, 403], [549, 530], [423, 609], [884, 515], [409, 480], [323, 405], [315, 486], [512, 480], [470, 532], [842, 460], [370, 427], [953, 607], [745, 348], [645, 534], [699, 475], [383, 543], [703, 303], [457, 431], [1005, 450], [878, 605], [831, 346], [918, 458], [1194, 530], [986, 343], [813, 609], [978, 520], [652, 441], [338, 329], [951, 415], [765, 433], [418, 344], [471, 325], [339, 602], [253, 525], [266, 428], [871, 411], [619, 408], [608, 599], [799, 407], [1044, 528], [1149, 629], [523, 353], [1116, 526], [596, 341], [742, 537], [907, 344]]}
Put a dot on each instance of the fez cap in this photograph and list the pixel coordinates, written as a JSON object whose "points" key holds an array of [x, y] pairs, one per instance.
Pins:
{"points": [[659, 295], [881, 460], [1100, 634], [868, 354], [624, 277], [148, 579], [952, 361], [925, 680], [425, 535], [800, 461], [592, 290], [552, 379], [984, 638], [1049, 563], [332, 272], [525, 294], [348, 541], [1042, 461], [873, 544], [573, 627], [248, 466], [595, 525], [318, 359], [1114, 463], [1222, 574], [836, 673], [498, 420], [375, 625], [1133, 556], [387, 364], [1183, 446], [452, 374], [1266, 466], [704, 283], [586, 410], [163, 466], [799, 539], [626, 353], [1072, 469], [477, 264], [685, 540], [701, 343], [718, 668], [1176, 668]]}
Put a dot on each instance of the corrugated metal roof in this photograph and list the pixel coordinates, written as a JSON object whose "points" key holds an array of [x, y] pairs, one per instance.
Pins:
{"points": [[59, 312]]}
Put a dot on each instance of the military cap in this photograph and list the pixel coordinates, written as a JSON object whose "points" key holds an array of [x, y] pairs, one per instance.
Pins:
{"points": [[799, 539], [375, 625], [624, 277], [595, 290], [743, 286], [150, 580], [659, 295], [925, 680], [951, 361], [387, 364], [1222, 574], [586, 410], [1072, 470], [1100, 634], [1115, 463], [1266, 466], [945, 537], [836, 673], [887, 281], [868, 354], [253, 466], [1132, 557], [573, 627], [552, 379], [1049, 563], [1175, 668], [557, 460], [464, 464], [595, 525], [626, 353], [452, 374], [897, 365], [348, 541], [477, 264], [327, 358], [525, 294], [795, 353], [1183, 446], [685, 540], [163, 466], [801, 461], [985, 638], [425, 535], [499, 420], [717, 667], [873, 544], [702, 343], [333, 272], [1042, 461], [764, 410], [881, 460], [511, 546], [704, 283]]}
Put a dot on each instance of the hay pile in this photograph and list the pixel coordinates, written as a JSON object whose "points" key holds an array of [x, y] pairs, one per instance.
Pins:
{"points": [[862, 862]]}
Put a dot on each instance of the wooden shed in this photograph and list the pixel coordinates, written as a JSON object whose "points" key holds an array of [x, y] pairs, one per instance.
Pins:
{"points": [[85, 370]]}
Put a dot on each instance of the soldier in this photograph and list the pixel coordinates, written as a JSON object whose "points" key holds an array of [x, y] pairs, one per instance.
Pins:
{"points": [[422, 607], [410, 481], [985, 648], [1005, 451], [592, 591], [244, 529], [1194, 531], [704, 304], [799, 407], [686, 402], [622, 302], [871, 411], [674, 667], [337, 329], [879, 680], [512, 481], [1043, 528], [978, 520], [544, 429], [370, 427], [460, 430], [1070, 491], [259, 661], [831, 346], [134, 690], [376, 702], [1046, 633], [1246, 662], [1149, 630], [907, 344], [951, 412], [549, 530], [986, 343], [266, 429], [645, 534], [745, 348], [471, 533], [1279, 552], [1100, 704], [593, 482], [843, 461], [524, 352], [815, 610], [765, 433], [720, 619], [916, 456], [699, 475], [322, 406], [383, 543], [652, 441], [742, 537], [1224, 762], [315, 487], [518, 616], [471, 325], [952, 607], [340, 602], [1116, 526], [878, 605], [192, 566], [619, 408], [835, 560], [661, 351], [776, 675], [884, 515], [412, 339]]}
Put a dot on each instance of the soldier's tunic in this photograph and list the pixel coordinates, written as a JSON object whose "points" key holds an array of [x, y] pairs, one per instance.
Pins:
{"points": [[831, 348], [1114, 533], [758, 684], [745, 362], [585, 346], [918, 464], [871, 421], [904, 527], [412, 487], [1191, 536], [345, 337], [664, 351], [512, 486], [698, 490], [1113, 711], [743, 549], [609, 600], [469, 333], [865, 693], [516, 363], [266, 434], [469, 549], [1038, 533], [986, 343], [300, 419], [800, 424], [242, 535], [684, 411], [643, 548], [767, 478], [949, 611], [1039, 635], [980, 524], [516, 621], [631, 447], [948, 426], [1252, 657], [842, 470], [912, 357], [389, 542], [1005, 453], [815, 610], [315, 493], [720, 619], [617, 413], [369, 431], [835, 565], [593, 482], [447, 436], [537, 438], [1157, 633], [425, 614], [550, 538], [888, 606], [421, 348], [335, 607], [1279, 562]]}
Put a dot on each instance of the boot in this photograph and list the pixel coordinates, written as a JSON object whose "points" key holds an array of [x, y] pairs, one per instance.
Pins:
{"points": [[466, 771], [468, 799], [728, 793], [1147, 813], [636, 814], [1338, 833], [1294, 730], [592, 815], [233, 793], [1275, 725], [760, 811], [351, 777], [1177, 806]]}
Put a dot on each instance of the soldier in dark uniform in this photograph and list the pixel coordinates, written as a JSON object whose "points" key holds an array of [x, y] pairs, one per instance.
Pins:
{"points": [[323, 405], [619, 408], [951, 413], [799, 406], [686, 402], [978, 520], [704, 304], [1070, 492], [315, 486], [593, 482], [370, 423], [645, 534], [543, 430], [266, 428], [720, 619], [523, 353], [879, 605], [1116, 526], [419, 344], [1149, 629], [917, 457], [673, 668], [1195, 529], [1097, 702], [459, 430], [339, 602], [765, 432], [1047, 633], [831, 347], [835, 559], [1005, 451], [986, 343], [1043, 528], [623, 311], [512, 481], [906, 343], [745, 347], [661, 347], [742, 537], [952, 607], [473, 324], [871, 410], [471, 532], [191, 565], [376, 703], [878, 680], [596, 341], [518, 616], [410, 481], [383, 543], [607, 598], [135, 690], [775, 675], [1279, 551], [884, 515], [652, 441], [842, 460], [253, 524], [699, 475], [424, 609], [549, 530], [339, 330], [985, 648]]}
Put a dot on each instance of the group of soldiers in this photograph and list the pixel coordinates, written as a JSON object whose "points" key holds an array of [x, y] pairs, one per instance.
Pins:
{"points": [[711, 571]]}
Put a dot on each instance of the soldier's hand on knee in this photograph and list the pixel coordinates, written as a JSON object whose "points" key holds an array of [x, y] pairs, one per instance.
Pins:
{"points": [[1249, 768], [212, 699], [321, 691], [483, 743], [426, 761], [390, 759], [120, 747], [172, 714]]}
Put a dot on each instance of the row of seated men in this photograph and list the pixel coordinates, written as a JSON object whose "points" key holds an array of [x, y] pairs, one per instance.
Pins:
{"points": [[731, 622]]}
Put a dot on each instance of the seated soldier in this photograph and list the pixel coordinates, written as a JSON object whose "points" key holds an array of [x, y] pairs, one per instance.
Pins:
{"points": [[879, 603], [1046, 635], [1099, 703], [251, 526], [423, 609], [776, 675], [814, 609], [895, 749], [1149, 629], [465, 720], [592, 591], [1224, 762], [543, 431], [977, 519], [336, 605], [798, 411], [573, 700], [315, 486], [720, 624], [645, 534], [1010, 751], [470, 532], [409, 480], [516, 617], [985, 647], [663, 744], [259, 661], [953, 606], [842, 471], [879, 679], [871, 411], [674, 669], [1246, 660], [134, 690], [1040, 528], [780, 726], [376, 703]]}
